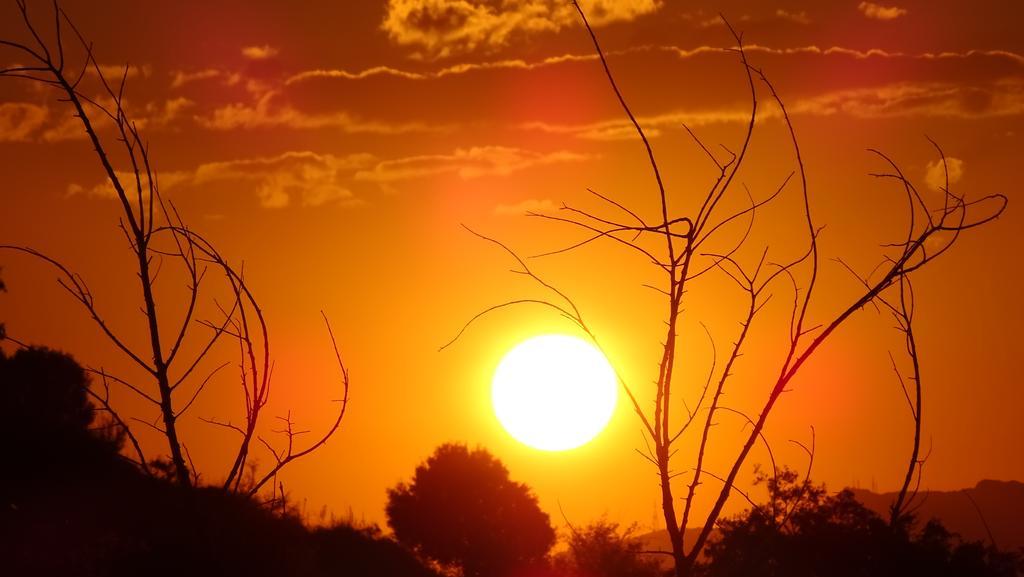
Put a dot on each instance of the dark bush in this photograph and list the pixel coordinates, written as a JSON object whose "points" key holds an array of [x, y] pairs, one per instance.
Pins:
{"points": [[462, 510]]}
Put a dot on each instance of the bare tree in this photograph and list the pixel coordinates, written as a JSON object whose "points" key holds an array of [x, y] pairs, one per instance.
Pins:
{"points": [[679, 246], [3, 331], [901, 306], [176, 357], [904, 315]]}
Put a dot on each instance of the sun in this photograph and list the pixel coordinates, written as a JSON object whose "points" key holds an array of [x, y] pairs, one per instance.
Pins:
{"points": [[554, 392]]}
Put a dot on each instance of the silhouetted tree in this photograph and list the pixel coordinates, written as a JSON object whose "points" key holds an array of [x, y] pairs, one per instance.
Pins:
{"points": [[802, 531], [691, 237], [601, 549], [174, 357], [47, 422], [461, 509]]}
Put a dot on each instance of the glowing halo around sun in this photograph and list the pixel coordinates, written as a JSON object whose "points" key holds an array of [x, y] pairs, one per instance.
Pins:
{"points": [[554, 392]]}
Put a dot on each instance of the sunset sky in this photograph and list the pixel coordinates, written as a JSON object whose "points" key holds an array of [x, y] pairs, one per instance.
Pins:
{"points": [[336, 148]]}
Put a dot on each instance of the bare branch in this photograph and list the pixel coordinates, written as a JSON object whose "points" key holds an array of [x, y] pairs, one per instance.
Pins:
{"points": [[291, 456]]}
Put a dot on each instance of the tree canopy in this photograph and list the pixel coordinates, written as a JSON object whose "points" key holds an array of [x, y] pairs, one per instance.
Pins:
{"points": [[46, 418], [461, 509]]}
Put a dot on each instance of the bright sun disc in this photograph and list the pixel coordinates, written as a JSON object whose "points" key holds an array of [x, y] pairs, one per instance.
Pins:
{"points": [[554, 392]]}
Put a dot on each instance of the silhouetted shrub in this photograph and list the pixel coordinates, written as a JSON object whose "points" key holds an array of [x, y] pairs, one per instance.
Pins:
{"points": [[365, 552], [602, 550], [70, 506], [802, 531], [461, 509], [46, 420]]}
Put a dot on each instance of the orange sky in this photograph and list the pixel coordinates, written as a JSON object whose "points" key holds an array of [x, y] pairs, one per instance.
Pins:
{"points": [[337, 149]]}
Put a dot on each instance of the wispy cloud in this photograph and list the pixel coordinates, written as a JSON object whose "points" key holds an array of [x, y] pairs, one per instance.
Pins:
{"points": [[879, 12], [860, 54], [441, 28], [32, 122], [683, 53], [115, 72], [265, 114], [453, 70], [311, 179], [65, 125], [70, 128], [264, 52], [466, 163], [180, 78], [936, 172], [932, 99], [653, 125], [1003, 98], [305, 178], [164, 113], [613, 129], [800, 17], [20, 121]]}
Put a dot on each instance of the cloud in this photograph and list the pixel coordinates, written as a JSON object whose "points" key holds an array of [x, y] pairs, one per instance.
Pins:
{"points": [[454, 70], [999, 99], [682, 53], [311, 179], [601, 12], [618, 129], [466, 163], [181, 78], [710, 22], [798, 17], [19, 121], [264, 52], [879, 12], [859, 54], [105, 189], [115, 72], [1003, 98], [705, 19], [308, 178], [441, 28], [527, 206], [153, 114], [165, 113], [654, 125], [70, 128], [265, 114], [936, 173], [24, 121]]}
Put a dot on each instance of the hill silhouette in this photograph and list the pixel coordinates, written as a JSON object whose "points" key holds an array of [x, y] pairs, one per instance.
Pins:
{"points": [[999, 504]]}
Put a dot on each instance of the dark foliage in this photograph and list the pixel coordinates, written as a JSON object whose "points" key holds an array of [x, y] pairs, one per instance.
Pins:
{"points": [[154, 528], [70, 505], [802, 531], [364, 551], [462, 510], [47, 424], [603, 550]]}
